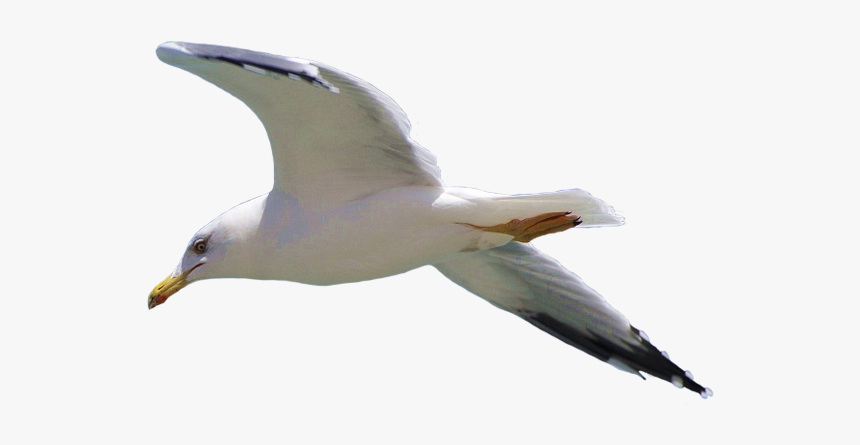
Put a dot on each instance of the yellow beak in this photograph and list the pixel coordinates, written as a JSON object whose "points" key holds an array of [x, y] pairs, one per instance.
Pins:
{"points": [[169, 286], [166, 288]]}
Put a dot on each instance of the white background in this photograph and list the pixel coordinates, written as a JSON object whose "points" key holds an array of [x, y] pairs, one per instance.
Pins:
{"points": [[726, 134]]}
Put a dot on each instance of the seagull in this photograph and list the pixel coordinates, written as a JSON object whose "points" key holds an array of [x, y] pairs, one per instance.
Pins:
{"points": [[355, 199]]}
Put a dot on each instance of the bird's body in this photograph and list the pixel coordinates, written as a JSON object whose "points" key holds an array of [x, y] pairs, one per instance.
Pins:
{"points": [[355, 199], [273, 237], [385, 234]]}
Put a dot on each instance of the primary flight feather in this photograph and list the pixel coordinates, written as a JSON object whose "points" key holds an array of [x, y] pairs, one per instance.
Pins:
{"points": [[355, 198]]}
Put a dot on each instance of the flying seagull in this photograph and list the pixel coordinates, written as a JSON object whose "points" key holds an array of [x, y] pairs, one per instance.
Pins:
{"points": [[355, 198]]}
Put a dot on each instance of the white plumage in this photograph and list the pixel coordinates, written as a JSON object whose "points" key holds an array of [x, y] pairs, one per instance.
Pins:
{"points": [[355, 198]]}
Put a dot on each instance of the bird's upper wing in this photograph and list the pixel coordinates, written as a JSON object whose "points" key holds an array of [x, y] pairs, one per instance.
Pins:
{"points": [[520, 279], [335, 138]]}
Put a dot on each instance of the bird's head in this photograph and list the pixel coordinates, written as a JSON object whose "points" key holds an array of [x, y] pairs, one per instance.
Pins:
{"points": [[218, 250], [206, 248]]}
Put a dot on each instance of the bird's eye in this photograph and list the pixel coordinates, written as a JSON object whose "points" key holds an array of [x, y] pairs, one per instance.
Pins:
{"points": [[200, 246]]}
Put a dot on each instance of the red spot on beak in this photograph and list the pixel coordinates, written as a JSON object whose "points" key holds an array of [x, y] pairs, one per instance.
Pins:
{"points": [[160, 298]]}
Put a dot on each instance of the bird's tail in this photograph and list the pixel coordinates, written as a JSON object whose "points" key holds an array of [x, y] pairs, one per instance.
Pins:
{"points": [[491, 208]]}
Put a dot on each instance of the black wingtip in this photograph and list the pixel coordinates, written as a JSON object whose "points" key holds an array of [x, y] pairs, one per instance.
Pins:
{"points": [[646, 359], [657, 363]]}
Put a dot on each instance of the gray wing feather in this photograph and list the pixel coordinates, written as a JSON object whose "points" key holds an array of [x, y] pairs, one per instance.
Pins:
{"points": [[520, 279]]}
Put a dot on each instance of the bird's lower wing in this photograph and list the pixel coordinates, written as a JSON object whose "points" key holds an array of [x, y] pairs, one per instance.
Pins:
{"points": [[520, 279]]}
